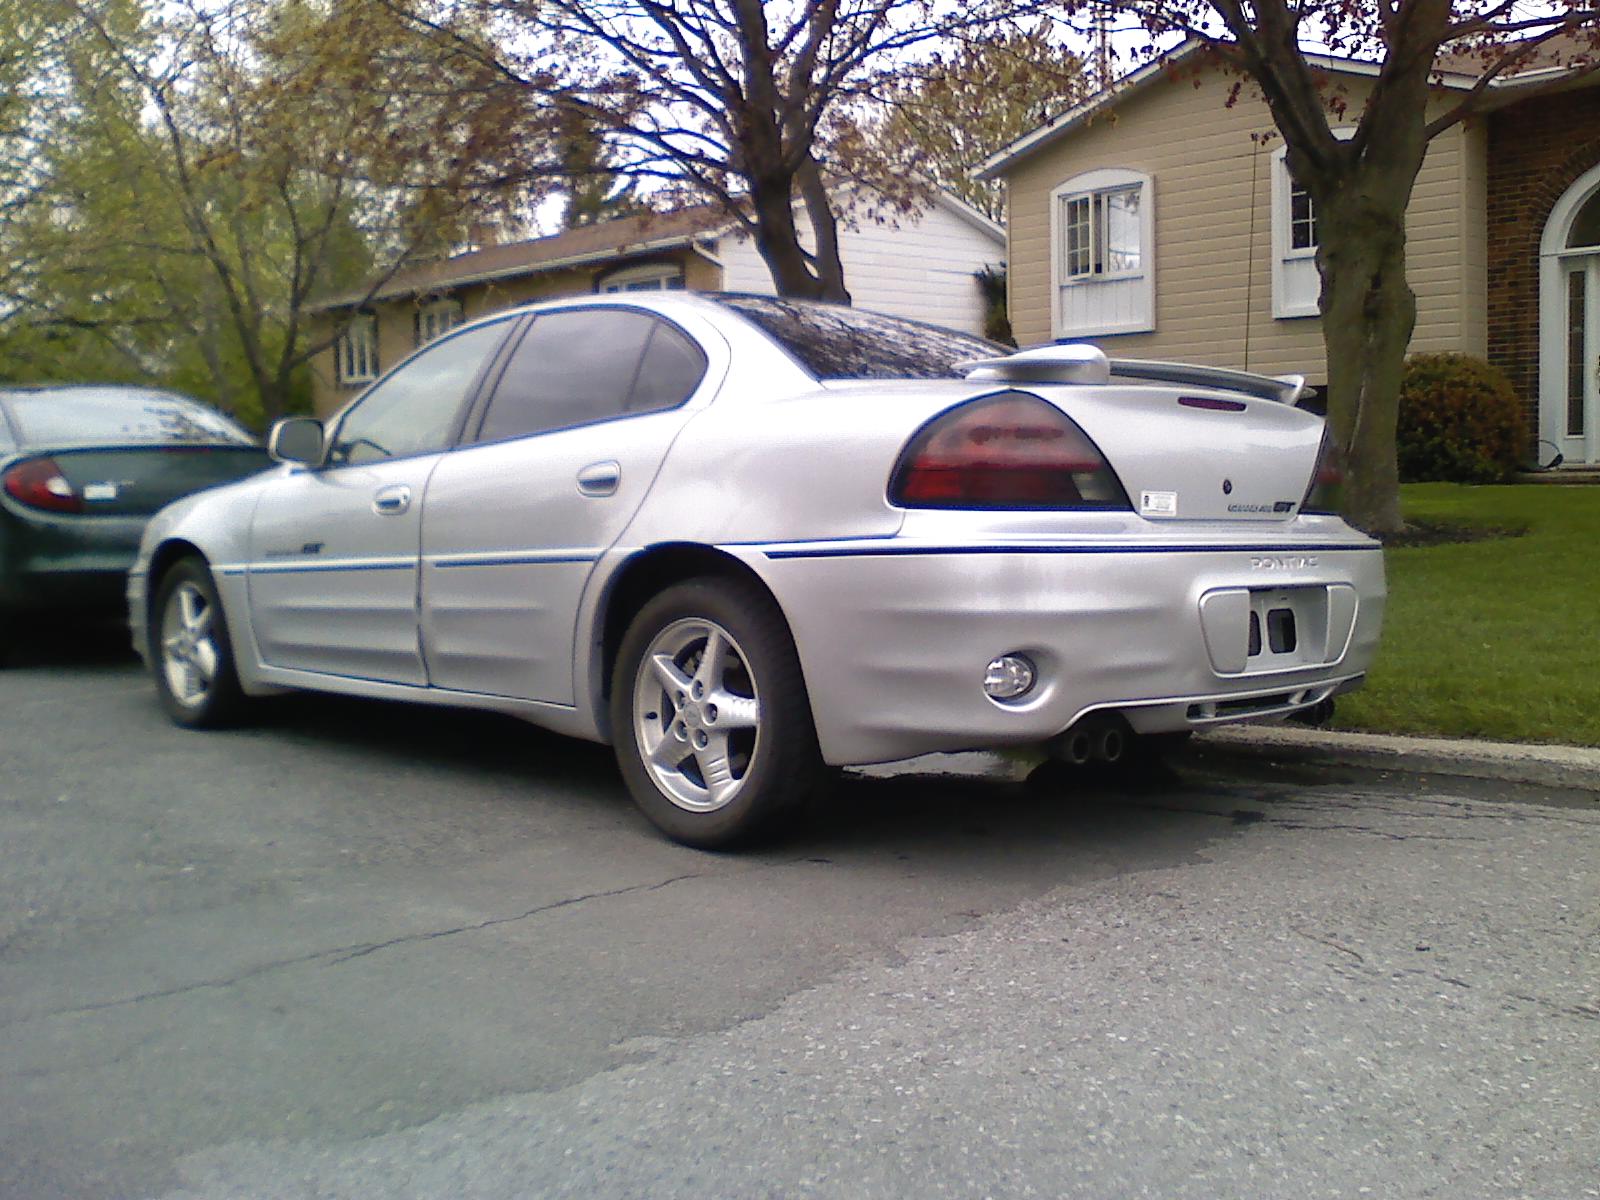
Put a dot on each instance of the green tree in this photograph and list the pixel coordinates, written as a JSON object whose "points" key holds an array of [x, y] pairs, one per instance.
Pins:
{"points": [[214, 168], [947, 114]]}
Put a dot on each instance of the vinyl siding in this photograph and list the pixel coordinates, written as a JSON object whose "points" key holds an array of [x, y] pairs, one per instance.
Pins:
{"points": [[1212, 171], [920, 267]]}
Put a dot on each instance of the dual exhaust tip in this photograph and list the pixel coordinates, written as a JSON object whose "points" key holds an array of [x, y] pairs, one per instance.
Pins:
{"points": [[1100, 740]]}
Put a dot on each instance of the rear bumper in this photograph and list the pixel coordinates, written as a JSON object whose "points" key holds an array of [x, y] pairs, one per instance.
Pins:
{"points": [[91, 590], [54, 562], [894, 638], [136, 597]]}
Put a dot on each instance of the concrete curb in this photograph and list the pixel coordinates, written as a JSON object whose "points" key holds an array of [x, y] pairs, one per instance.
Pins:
{"points": [[1572, 767]]}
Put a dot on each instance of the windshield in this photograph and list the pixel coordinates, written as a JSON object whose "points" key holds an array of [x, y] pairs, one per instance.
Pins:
{"points": [[115, 415], [835, 342]]}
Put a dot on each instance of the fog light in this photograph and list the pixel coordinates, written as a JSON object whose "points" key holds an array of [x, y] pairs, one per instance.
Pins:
{"points": [[1008, 677]]}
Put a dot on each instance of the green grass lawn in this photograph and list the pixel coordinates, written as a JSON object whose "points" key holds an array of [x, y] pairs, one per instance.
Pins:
{"points": [[1495, 639]]}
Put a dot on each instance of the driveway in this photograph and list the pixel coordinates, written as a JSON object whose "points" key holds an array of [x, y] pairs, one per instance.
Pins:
{"points": [[366, 950]]}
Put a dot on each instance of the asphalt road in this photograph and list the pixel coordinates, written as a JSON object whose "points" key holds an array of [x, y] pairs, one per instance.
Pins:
{"points": [[368, 951]]}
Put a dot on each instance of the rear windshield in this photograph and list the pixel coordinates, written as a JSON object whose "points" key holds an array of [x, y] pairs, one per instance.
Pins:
{"points": [[834, 342], [115, 415]]}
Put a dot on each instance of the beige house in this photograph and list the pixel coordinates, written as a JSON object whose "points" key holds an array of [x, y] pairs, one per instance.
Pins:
{"points": [[1159, 220], [922, 266]]}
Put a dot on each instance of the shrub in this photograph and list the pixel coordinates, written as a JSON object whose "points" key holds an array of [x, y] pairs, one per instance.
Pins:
{"points": [[1460, 421], [996, 320]]}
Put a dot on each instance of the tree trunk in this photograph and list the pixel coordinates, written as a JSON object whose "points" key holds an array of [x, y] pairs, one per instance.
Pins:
{"points": [[825, 227], [778, 239], [1368, 313]]}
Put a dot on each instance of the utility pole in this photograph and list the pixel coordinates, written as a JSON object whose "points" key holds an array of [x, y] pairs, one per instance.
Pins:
{"points": [[1102, 48]]}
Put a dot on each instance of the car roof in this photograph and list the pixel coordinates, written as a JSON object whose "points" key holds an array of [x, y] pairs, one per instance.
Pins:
{"points": [[827, 341]]}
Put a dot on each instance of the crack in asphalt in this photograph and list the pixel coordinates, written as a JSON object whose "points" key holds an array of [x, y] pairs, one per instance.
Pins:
{"points": [[1377, 975], [344, 954], [1330, 942], [374, 947], [1385, 834]]}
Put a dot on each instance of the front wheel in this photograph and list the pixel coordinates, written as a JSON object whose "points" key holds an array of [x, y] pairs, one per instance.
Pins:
{"points": [[191, 655], [710, 715]]}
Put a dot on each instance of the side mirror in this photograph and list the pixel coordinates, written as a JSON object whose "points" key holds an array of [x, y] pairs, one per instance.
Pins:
{"points": [[296, 440]]}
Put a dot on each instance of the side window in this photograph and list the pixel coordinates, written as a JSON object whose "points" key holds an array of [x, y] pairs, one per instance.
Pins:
{"points": [[584, 365], [673, 367], [414, 411]]}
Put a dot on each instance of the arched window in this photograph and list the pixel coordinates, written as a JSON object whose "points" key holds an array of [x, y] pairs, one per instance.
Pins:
{"points": [[1102, 262], [1569, 322], [1585, 230]]}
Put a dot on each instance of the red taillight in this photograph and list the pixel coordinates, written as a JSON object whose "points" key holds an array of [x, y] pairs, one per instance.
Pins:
{"points": [[1006, 451], [39, 483], [1327, 479]]}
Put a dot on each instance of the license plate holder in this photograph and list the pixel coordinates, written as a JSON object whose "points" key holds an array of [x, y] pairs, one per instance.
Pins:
{"points": [[1287, 627]]}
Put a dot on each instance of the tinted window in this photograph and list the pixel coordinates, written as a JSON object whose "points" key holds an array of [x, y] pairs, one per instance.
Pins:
{"points": [[116, 416], [586, 365], [835, 342], [673, 367], [414, 411]]}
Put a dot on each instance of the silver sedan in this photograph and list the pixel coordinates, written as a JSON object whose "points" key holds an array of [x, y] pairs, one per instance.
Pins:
{"points": [[739, 538]]}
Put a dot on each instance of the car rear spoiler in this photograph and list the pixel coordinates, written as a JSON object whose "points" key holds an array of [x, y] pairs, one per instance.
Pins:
{"points": [[1079, 362]]}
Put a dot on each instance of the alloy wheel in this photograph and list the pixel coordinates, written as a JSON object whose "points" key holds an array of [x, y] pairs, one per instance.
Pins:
{"points": [[189, 654], [696, 714]]}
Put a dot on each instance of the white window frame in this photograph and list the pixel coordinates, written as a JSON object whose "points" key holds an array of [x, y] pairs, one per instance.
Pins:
{"points": [[649, 277], [437, 318], [1091, 189], [1286, 306], [356, 351]]}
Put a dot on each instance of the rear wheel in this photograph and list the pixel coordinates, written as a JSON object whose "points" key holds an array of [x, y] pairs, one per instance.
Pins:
{"points": [[710, 715], [190, 653]]}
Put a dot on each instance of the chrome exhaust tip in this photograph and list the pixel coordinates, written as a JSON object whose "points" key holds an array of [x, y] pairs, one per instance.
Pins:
{"points": [[1077, 746], [1109, 744]]}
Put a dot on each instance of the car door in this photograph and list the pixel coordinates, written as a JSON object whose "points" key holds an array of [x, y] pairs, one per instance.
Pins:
{"points": [[568, 445], [333, 551]]}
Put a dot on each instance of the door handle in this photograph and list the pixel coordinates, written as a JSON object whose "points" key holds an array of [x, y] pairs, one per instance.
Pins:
{"points": [[392, 500], [600, 479]]}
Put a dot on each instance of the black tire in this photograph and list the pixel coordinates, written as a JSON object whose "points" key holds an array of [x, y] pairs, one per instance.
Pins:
{"points": [[203, 655], [764, 735]]}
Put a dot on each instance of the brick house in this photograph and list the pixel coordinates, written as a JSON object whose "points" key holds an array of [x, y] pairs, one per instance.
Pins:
{"points": [[1158, 219], [922, 265]]}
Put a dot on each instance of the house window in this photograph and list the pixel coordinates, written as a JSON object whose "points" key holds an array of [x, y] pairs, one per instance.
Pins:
{"points": [[1302, 219], [1296, 283], [438, 318], [356, 351], [1102, 234], [1586, 225], [652, 277]]}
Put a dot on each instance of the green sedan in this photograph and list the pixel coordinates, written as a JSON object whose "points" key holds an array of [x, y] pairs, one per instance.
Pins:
{"points": [[82, 469]]}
